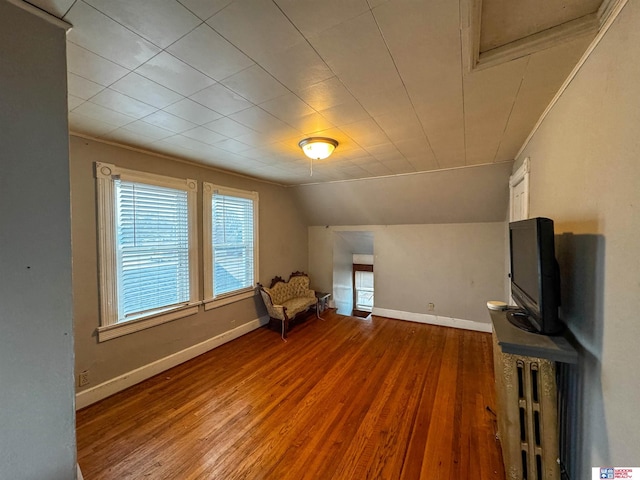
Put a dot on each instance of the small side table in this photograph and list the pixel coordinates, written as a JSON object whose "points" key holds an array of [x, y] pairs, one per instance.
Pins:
{"points": [[323, 299]]}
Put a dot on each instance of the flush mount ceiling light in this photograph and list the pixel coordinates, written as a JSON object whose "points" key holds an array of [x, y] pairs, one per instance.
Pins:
{"points": [[318, 148]]}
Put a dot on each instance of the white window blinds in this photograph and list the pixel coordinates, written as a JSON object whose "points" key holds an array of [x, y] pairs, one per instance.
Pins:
{"points": [[152, 243], [232, 234]]}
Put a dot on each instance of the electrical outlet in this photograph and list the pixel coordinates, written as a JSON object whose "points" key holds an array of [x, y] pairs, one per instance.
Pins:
{"points": [[83, 378], [431, 307]]}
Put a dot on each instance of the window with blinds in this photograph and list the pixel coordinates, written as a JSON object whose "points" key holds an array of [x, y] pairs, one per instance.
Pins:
{"points": [[152, 242], [148, 249], [232, 236]]}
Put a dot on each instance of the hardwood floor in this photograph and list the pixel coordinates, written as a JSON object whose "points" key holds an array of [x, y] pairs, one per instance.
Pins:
{"points": [[344, 398]]}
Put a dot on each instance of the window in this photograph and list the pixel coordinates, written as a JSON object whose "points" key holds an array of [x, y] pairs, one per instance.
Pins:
{"points": [[148, 249], [231, 244], [363, 289]]}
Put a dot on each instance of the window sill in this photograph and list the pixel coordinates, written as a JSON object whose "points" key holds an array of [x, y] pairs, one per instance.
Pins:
{"points": [[109, 332], [222, 301]]}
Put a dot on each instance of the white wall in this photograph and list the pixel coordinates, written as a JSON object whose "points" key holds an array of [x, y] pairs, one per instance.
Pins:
{"points": [[458, 267], [363, 259], [585, 174], [37, 423], [342, 275]]}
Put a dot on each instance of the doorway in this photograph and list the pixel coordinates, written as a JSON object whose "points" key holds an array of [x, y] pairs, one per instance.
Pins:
{"points": [[352, 248], [362, 289]]}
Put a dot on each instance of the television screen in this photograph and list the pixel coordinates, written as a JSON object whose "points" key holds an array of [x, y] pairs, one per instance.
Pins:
{"points": [[534, 276]]}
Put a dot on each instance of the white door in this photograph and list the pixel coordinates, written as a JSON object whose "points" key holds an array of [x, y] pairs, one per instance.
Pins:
{"points": [[519, 193], [518, 204]]}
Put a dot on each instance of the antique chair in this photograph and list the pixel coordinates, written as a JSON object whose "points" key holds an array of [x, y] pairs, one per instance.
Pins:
{"points": [[286, 299]]}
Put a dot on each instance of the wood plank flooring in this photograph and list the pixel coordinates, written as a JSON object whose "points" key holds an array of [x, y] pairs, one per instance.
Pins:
{"points": [[344, 398]]}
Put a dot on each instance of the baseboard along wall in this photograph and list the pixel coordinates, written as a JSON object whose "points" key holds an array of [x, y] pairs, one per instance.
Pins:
{"points": [[433, 319], [126, 380]]}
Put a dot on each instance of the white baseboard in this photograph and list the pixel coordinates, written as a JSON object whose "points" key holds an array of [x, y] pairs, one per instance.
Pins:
{"points": [[117, 384], [433, 319]]}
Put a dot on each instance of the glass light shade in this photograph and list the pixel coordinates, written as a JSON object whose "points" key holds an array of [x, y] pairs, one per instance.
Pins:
{"points": [[318, 148]]}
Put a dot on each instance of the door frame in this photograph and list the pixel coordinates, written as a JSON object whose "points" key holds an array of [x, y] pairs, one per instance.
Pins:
{"points": [[521, 175]]}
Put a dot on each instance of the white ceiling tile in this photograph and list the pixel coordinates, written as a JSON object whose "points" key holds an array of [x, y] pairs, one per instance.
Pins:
{"points": [[383, 78], [189, 143], [232, 145], [418, 146], [354, 50], [93, 67], [128, 137], [312, 17], [57, 8], [103, 114], [161, 22], [79, 123], [287, 107], [345, 113], [121, 103], [384, 151], [170, 122], [263, 122], [228, 127], [367, 133], [395, 101], [399, 166], [297, 67], [103, 36], [145, 90], [433, 83], [73, 102], [146, 129], [257, 27], [421, 164], [192, 111], [205, 8], [489, 96], [204, 135], [220, 99], [255, 139], [255, 84], [359, 34], [311, 124], [81, 87], [326, 94], [207, 51], [174, 74], [377, 169], [400, 127]]}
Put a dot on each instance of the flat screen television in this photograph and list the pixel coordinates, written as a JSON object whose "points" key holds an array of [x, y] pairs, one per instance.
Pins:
{"points": [[535, 277]]}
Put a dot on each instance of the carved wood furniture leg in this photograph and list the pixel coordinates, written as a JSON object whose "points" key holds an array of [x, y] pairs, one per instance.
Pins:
{"points": [[285, 326]]}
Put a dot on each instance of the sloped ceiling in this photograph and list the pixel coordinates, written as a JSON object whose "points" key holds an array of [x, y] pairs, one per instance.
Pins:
{"points": [[463, 195], [237, 84]]}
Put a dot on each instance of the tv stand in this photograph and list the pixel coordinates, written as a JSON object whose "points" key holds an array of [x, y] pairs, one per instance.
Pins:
{"points": [[520, 319]]}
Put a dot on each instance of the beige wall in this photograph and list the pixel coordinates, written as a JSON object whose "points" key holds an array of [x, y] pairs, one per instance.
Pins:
{"points": [[585, 174], [37, 422], [458, 267], [283, 249]]}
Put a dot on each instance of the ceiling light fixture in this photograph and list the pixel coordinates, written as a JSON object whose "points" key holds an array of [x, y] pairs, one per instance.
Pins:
{"points": [[318, 148]]}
